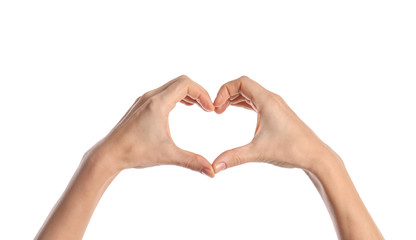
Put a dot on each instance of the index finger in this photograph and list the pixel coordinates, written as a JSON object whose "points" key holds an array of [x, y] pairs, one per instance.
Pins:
{"points": [[183, 87], [243, 86]]}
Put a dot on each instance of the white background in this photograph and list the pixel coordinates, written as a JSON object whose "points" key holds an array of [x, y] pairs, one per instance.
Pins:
{"points": [[69, 70]]}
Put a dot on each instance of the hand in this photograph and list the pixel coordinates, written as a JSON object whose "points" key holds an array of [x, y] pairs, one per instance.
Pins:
{"points": [[281, 137], [142, 137]]}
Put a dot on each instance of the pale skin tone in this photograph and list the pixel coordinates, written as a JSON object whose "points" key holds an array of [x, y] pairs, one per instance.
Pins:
{"points": [[142, 139]]}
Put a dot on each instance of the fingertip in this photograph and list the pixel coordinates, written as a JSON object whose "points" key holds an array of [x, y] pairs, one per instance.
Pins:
{"points": [[206, 108], [219, 100], [210, 107], [222, 108], [232, 158], [217, 110], [219, 166], [207, 168], [206, 103], [209, 172], [219, 163]]}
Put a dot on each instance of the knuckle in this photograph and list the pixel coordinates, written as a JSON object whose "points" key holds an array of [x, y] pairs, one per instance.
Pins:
{"points": [[278, 98], [225, 88], [244, 78], [153, 103], [146, 95], [138, 99], [183, 78], [188, 163], [236, 157]]}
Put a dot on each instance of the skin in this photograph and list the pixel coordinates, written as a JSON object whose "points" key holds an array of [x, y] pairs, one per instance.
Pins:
{"points": [[142, 139], [283, 139]]}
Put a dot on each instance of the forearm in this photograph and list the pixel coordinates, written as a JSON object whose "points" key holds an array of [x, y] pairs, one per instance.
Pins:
{"points": [[71, 214], [349, 214]]}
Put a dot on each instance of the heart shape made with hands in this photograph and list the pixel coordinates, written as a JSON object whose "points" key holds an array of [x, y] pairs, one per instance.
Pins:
{"points": [[209, 134], [142, 137], [228, 94]]}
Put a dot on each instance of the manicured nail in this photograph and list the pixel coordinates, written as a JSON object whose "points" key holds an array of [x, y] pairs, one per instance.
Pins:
{"points": [[206, 172], [219, 167]]}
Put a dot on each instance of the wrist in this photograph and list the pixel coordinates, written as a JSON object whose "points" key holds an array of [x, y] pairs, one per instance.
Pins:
{"points": [[325, 162], [100, 161]]}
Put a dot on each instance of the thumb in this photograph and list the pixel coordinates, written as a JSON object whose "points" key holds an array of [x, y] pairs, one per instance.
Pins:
{"points": [[194, 162], [234, 157]]}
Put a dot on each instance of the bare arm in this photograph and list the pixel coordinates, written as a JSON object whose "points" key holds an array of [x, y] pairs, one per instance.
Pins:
{"points": [[71, 214], [283, 139], [348, 212], [141, 139]]}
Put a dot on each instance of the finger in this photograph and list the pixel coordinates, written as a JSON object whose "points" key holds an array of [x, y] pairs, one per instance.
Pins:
{"points": [[155, 91], [194, 162], [242, 101], [237, 99], [190, 101], [244, 86], [187, 103], [223, 107], [233, 97], [182, 88], [244, 105], [234, 157], [196, 101], [140, 100]]}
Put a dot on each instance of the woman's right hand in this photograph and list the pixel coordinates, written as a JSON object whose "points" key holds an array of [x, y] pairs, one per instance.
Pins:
{"points": [[142, 137], [281, 137]]}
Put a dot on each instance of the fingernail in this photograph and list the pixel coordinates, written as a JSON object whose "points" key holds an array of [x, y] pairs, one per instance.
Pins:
{"points": [[206, 172], [219, 167]]}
